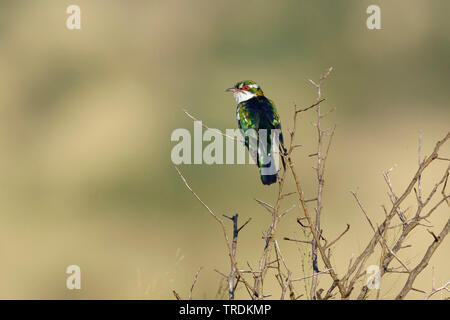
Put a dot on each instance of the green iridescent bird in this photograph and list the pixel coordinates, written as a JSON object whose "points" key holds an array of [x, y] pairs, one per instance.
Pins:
{"points": [[255, 111]]}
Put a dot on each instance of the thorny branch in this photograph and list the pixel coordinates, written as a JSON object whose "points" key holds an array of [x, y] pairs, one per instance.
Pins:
{"points": [[322, 156], [320, 247], [315, 226], [407, 224], [224, 230], [231, 285], [424, 262]]}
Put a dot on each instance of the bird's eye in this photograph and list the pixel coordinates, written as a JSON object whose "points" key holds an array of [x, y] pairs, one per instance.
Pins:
{"points": [[245, 87]]}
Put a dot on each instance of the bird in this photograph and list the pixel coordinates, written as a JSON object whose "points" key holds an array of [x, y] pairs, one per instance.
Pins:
{"points": [[255, 111]]}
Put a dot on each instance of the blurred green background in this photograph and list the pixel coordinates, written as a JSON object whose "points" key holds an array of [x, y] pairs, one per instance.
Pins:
{"points": [[86, 118]]}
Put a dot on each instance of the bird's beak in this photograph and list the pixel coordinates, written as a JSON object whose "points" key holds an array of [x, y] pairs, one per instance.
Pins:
{"points": [[230, 90]]}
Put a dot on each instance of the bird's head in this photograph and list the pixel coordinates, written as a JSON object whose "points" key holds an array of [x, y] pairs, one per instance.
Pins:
{"points": [[245, 90]]}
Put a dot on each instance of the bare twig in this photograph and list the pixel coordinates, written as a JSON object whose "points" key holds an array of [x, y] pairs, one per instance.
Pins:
{"points": [[208, 128], [263, 261], [177, 296], [287, 284], [444, 287], [265, 205], [419, 180], [195, 281], [339, 237], [310, 276], [315, 104], [224, 230], [231, 285], [295, 240], [424, 262], [363, 210], [443, 188], [221, 273]]}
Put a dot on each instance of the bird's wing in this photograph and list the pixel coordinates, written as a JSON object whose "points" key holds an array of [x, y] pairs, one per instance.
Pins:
{"points": [[272, 115], [248, 116], [272, 121]]}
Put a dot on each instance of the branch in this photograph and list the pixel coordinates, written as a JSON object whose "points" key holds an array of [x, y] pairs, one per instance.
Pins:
{"points": [[288, 281], [444, 287], [306, 213], [311, 106], [363, 210], [310, 276], [195, 281], [232, 275], [208, 128], [339, 237], [224, 230], [362, 258], [177, 296], [424, 262]]}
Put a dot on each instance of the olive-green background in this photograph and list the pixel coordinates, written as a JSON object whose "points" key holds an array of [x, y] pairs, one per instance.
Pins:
{"points": [[86, 118]]}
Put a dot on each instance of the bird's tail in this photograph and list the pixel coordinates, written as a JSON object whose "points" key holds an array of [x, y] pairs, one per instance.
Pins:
{"points": [[268, 179], [268, 164]]}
